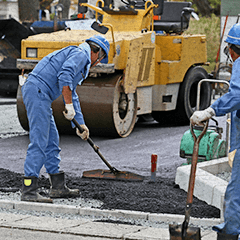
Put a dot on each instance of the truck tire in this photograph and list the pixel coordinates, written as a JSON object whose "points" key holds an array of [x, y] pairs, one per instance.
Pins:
{"points": [[187, 98]]}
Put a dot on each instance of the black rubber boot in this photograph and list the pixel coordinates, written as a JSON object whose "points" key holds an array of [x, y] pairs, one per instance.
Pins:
{"points": [[30, 191], [224, 236], [58, 187]]}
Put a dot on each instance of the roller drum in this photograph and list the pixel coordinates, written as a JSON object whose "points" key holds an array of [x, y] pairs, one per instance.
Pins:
{"points": [[107, 110]]}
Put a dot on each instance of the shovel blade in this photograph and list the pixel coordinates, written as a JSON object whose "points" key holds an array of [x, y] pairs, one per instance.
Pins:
{"points": [[192, 233], [107, 174]]}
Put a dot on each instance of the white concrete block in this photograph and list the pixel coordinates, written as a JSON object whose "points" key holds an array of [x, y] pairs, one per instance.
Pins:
{"points": [[206, 222], [182, 177], [114, 213], [218, 195], [94, 212], [7, 204], [204, 188], [201, 173], [154, 217], [46, 207], [135, 215]]}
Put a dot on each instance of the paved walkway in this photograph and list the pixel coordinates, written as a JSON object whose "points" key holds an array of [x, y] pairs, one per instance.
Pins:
{"points": [[14, 226], [85, 226]]}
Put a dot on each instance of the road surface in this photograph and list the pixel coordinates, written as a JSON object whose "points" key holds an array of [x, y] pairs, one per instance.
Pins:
{"points": [[126, 154]]}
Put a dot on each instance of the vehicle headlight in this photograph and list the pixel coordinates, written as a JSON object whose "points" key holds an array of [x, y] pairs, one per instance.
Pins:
{"points": [[32, 52]]}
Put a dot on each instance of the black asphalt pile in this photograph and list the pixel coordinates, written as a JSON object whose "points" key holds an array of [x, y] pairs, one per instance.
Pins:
{"points": [[162, 196]]}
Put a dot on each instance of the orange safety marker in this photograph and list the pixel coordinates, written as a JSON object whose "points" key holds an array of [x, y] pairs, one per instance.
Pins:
{"points": [[153, 167], [81, 16], [156, 17]]}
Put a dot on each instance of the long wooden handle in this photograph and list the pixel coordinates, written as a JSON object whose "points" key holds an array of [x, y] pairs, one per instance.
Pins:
{"points": [[194, 162], [95, 147], [192, 178]]}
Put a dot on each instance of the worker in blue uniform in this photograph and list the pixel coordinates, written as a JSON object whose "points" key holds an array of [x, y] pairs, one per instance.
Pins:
{"points": [[59, 73], [230, 102]]}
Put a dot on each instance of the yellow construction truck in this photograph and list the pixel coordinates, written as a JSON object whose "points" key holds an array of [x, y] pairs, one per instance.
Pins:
{"points": [[153, 67]]}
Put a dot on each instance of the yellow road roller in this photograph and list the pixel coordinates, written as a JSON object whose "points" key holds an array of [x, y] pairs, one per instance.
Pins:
{"points": [[153, 67]]}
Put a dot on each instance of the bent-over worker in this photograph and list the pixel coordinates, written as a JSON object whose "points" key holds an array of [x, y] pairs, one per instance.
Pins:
{"points": [[230, 102], [57, 73]]}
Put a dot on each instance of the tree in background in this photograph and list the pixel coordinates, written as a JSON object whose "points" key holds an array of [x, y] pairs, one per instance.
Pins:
{"points": [[45, 4], [206, 7], [28, 10]]}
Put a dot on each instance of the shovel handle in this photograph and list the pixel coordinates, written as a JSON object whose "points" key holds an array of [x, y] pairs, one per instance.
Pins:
{"points": [[192, 177], [95, 147], [194, 162]]}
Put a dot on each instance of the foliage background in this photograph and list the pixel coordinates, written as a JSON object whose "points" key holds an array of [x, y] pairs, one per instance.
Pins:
{"points": [[212, 5], [211, 28]]}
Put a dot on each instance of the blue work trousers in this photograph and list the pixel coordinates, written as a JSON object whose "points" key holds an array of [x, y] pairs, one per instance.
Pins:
{"points": [[231, 223], [43, 134], [232, 199]]}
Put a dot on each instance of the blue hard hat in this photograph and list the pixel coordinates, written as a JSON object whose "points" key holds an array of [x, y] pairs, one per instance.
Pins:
{"points": [[103, 43], [233, 36]]}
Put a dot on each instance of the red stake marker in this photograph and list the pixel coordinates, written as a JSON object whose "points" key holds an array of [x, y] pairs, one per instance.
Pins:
{"points": [[153, 167]]}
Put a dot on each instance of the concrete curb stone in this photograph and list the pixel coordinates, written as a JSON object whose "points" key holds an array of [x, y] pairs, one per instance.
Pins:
{"points": [[27, 206], [7, 101], [133, 215], [87, 227]]}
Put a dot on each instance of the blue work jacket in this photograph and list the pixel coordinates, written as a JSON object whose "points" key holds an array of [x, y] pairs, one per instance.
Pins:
{"points": [[65, 67], [230, 102]]}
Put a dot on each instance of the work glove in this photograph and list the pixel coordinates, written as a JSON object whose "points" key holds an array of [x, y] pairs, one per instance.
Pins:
{"points": [[85, 134], [199, 117], [69, 112]]}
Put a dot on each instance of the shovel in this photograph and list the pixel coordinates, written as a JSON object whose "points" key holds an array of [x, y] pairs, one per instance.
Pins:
{"points": [[183, 232], [112, 173]]}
